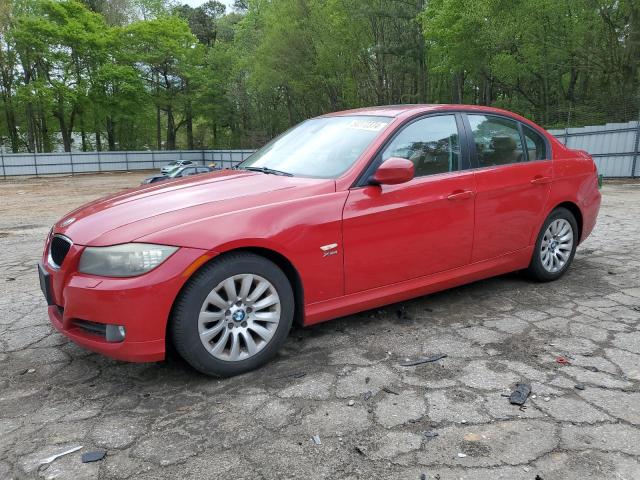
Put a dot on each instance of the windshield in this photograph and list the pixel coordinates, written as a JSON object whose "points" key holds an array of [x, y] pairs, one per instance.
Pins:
{"points": [[320, 147]]}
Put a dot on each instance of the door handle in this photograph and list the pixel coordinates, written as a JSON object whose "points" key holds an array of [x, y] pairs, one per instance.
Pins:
{"points": [[461, 195], [540, 180]]}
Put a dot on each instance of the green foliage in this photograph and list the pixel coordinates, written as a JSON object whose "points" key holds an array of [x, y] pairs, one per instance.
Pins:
{"points": [[138, 74]]}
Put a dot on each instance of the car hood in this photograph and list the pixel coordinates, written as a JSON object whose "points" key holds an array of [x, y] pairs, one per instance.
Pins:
{"points": [[137, 212]]}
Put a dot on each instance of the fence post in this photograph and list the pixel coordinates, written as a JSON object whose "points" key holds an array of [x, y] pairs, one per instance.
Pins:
{"points": [[71, 160], [636, 148], [126, 160], [4, 172]]}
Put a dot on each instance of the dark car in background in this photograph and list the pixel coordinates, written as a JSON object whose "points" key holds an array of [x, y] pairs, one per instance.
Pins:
{"points": [[178, 173]]}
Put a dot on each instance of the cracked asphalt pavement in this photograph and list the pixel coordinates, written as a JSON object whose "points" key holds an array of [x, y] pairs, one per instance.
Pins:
{"points": [[340, 381]]}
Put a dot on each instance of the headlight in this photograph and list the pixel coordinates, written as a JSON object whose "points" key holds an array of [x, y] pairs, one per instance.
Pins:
{"points": [[128, 260]]}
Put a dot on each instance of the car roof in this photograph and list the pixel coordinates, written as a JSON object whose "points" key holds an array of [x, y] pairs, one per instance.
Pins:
{"points": [[409, 110]]}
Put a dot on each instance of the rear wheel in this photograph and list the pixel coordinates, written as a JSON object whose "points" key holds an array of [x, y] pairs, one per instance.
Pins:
{"points": [[555, 246], [233, 315]]}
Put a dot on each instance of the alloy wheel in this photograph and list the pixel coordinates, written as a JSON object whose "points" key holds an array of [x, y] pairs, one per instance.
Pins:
{"points": [[239, 317], [556, 245]]}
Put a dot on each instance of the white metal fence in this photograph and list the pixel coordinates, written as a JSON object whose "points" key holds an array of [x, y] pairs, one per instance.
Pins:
{"points": [[15, 164], [615, 148]]}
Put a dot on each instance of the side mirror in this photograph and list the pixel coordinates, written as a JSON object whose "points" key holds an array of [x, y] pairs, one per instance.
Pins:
{"points": [[393, 171]]}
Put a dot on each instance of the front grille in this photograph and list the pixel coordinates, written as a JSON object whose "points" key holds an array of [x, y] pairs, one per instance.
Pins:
{"points": [[58, 250]]}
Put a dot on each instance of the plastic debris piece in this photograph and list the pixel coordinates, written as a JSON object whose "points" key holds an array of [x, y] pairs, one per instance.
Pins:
{"points": [[562, 361], [351, 403], [360, 450], [462, 455], [430, 434], [367, 395], [579, 386], [591, 369], [94, 456], [431, 358], [316, 439], [52, 458], [520, 394], [388, 390]]}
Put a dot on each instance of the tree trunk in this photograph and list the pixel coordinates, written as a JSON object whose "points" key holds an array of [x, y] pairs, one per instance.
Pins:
{"points": [[111, 138], [158, 130], [98, 141], [189, 121], [171, 129]]}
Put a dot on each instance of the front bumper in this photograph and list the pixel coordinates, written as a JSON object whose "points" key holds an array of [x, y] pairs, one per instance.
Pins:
{"points": [[141, 304]]}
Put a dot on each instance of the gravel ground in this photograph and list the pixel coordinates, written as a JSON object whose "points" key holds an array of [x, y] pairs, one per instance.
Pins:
{"points": [[340, 381]]}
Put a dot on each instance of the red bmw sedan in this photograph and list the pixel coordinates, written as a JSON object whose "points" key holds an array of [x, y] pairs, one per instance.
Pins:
{"points": [[344, 212]]}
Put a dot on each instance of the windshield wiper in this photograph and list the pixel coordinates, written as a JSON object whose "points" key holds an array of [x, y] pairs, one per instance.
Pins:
{"points": [[268, 171]]}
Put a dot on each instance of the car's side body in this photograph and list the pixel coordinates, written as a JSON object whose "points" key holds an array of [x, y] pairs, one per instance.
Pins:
{"points": [[345, 244]]}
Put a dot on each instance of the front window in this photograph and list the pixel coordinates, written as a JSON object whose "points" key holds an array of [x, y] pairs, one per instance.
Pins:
{"points": [[321, 147], [431, 144]]}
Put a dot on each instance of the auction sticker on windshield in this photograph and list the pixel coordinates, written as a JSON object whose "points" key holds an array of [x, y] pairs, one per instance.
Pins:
{"points": [[370, 125]]}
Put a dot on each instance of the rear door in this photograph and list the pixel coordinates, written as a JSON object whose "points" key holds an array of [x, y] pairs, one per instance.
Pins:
{"points": [[513, 178], [393, 233]]}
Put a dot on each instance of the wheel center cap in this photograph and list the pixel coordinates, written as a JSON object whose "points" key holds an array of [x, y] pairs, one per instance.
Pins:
{"points": [[239, 315]]}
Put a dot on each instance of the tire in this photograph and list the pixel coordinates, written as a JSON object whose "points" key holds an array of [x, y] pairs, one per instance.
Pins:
{"points": [[541, 270], [203, 309]]}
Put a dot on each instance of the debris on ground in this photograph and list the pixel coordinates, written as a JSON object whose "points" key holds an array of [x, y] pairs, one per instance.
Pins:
{"points": [[293, 375], [351, 403], [471, 437], [591, 368], [579, 386], [562, 361], [423, 476], [402, 314], [388, 390], [431, 358], [52, 458], [316, 439], [367, 395], [361, 450], [462, 455], [520, 394], [430, 434], [94, 456]]}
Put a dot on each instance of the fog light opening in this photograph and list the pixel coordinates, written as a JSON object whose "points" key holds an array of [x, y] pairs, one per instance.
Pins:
{"points": [[115, 333]]}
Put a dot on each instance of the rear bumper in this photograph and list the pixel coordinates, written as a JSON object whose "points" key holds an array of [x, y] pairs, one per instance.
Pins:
{"points": [[590, 210], [141, 305]]}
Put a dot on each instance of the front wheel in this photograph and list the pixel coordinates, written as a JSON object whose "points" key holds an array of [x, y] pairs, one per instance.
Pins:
{"points": [[233, 315], [555, 246]]}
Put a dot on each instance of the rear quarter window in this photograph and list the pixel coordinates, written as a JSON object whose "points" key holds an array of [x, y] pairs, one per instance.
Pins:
{"points": [[535, 144]]}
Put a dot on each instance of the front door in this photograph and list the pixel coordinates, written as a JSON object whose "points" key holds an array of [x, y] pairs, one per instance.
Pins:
{"points": [[393, 233]]}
